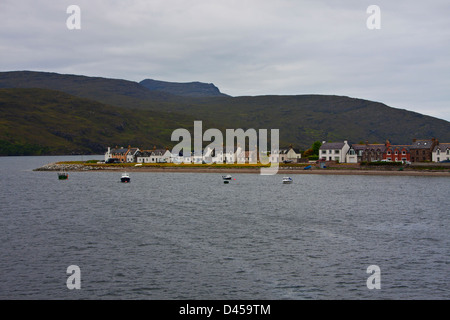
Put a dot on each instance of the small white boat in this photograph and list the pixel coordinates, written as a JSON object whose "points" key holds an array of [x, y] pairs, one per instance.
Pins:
{"points": [[125, 177], [226, 179], [287, 180]]}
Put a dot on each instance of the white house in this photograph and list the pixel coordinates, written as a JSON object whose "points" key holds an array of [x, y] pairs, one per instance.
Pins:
{"points": [[117, 153], [334, 151], [221, 155], [248, 157], [143, 156], [441, 152], [131, 155], [351, 156], [161, 155], [181, 158], [282, 155], [108, 154], [153, 156]]}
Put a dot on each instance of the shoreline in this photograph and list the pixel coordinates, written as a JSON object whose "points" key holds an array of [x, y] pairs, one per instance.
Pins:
{"points": [[256, 170]]}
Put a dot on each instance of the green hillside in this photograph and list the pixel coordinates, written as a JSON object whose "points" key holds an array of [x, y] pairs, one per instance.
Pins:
{"points": [[41, 121], [307, 118], [151, 115], [117, 92]]}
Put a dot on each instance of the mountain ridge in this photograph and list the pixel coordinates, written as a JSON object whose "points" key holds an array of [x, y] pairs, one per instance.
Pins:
{"points": [[302, 119], [188, 89]]}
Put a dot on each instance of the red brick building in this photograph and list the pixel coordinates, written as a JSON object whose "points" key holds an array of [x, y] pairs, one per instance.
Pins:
{"points": [[397, 153]]}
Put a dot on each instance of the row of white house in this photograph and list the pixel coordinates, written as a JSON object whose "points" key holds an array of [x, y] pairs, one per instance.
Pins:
{"points": [[342, 152], [209, 155]]}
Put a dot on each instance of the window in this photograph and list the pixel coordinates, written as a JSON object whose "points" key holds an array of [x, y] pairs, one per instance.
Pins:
{"points": [[389, 153], [403, 152], [336, 151], [396, 152], [324, 151]]}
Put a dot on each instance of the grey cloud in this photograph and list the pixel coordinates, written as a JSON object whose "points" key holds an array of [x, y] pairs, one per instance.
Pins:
{"points": [[251, 47]]}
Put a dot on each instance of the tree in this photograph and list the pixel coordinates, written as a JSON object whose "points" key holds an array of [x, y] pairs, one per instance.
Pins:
{"points": [[308, 153], [315, 147]]}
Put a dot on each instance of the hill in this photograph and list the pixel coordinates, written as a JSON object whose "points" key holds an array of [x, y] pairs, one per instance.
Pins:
{"points": [[302, 119], [117, 92], [190, 89], [42, 121]]}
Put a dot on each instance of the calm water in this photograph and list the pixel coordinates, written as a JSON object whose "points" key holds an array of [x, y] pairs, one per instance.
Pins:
{"points": [[189, 236]]}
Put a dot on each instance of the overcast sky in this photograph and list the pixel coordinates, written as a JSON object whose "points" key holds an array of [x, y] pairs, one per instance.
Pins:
{"points": [[244, 47]]}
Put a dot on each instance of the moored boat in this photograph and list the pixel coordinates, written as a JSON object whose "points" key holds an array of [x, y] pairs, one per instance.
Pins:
{"points": [[226, 179], [287, 180], [125, 177], [63, 175]]}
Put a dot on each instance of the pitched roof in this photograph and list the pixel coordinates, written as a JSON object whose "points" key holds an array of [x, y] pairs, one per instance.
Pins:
{"points": [[358, 146], [133, 151], [143, 153], [375, 146], [442, 146], [422, 144], [399, 147], [158, 152], [332, 145], [119, 150]]}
